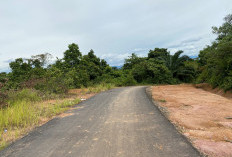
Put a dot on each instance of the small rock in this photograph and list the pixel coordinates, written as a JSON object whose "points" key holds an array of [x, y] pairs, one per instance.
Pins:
{"points": [[82, 99]]}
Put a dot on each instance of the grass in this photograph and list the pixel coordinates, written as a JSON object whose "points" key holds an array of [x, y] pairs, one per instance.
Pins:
{"points": [[24, 115], [28, 108], [100, 87]]}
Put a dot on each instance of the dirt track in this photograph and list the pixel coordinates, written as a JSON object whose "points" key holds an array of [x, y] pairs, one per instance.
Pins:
{"points": [[119, 122]]}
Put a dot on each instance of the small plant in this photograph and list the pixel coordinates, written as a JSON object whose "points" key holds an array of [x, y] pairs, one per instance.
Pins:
{"points": [[162, 100]]}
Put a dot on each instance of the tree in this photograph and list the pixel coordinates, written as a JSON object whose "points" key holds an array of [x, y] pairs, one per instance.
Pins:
{"points": [[131, 61], [150, 71], [224, 32], [72, 56], [20, 71], [159, 53], [176, 62], [92, 64], [216, 60], [40, 60], [54, 82]]}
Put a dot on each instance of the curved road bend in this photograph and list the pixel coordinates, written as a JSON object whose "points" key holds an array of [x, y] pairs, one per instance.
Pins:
{"points": [[120, 122]]}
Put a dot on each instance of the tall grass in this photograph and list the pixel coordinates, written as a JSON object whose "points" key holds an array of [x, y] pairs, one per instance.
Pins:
{"points": [[25, 110], [27, 95], [28, 108]]}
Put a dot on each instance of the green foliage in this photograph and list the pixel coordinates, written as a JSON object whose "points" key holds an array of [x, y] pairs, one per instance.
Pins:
{"points": [[224, 32], [24, 113], [20, 72], [21, 114], [77, 78], [160, 67], [75, 70], [3, 91], [131, 61], [118, 77], [188, 72], [54, 82], [100, 87], [24, 70], [151, 71], [28, 95], [92, 65], [216, 60], [72, 56], [128, 80], [183, 67], [159, 53]]}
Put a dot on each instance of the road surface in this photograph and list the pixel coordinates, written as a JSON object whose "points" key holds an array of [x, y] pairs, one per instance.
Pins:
{"points": [[119, 122]]}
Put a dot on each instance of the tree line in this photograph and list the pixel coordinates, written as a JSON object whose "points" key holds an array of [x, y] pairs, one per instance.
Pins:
{"points": [[75, 70]]}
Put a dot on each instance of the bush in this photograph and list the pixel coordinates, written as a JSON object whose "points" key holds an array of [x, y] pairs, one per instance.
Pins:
{"points": [[152, 72], [27, 95], [3, 89], [128, 81], [55, 82], [227, 83]]}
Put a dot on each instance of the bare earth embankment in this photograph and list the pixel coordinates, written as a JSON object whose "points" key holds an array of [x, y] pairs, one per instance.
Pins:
{"points": [[204, 117]]}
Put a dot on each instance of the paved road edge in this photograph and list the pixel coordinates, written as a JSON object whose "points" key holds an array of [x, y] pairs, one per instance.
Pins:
{"points": [[164, 112]]}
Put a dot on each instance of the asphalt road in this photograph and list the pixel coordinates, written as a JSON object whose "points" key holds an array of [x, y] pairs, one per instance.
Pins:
{"points": [[119, 122]]}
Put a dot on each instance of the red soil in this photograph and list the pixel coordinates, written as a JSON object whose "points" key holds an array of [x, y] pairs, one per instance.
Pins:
{"points": [[200, 115]]}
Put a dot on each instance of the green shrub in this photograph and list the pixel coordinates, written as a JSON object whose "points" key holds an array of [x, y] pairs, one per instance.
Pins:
{"points": [[26, 95], [55, 82], [151, 71], [227, 83], [128, 81]]}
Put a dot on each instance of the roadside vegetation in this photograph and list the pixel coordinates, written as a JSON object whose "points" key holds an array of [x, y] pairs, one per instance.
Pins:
{"points": [[33, 82], [28, 108]]}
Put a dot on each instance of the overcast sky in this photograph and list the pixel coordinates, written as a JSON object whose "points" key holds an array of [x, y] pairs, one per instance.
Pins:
{"points": [[112, 28]]}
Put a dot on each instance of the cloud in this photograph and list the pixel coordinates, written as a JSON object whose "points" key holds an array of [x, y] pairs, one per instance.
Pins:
{"points": [[8, 61], [112, 28], [115, 59], [186, 42], [139, 50], [191, 40], [193, 45]]}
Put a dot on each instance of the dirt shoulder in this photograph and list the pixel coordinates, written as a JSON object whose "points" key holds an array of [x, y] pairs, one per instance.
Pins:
{"points": [[202, 116]]}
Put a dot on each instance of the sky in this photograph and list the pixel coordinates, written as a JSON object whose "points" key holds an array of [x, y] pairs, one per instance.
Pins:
{"points": [[113, 29]]}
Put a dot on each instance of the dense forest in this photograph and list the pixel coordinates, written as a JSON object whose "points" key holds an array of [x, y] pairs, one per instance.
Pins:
{"points": [[75, 70]]}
